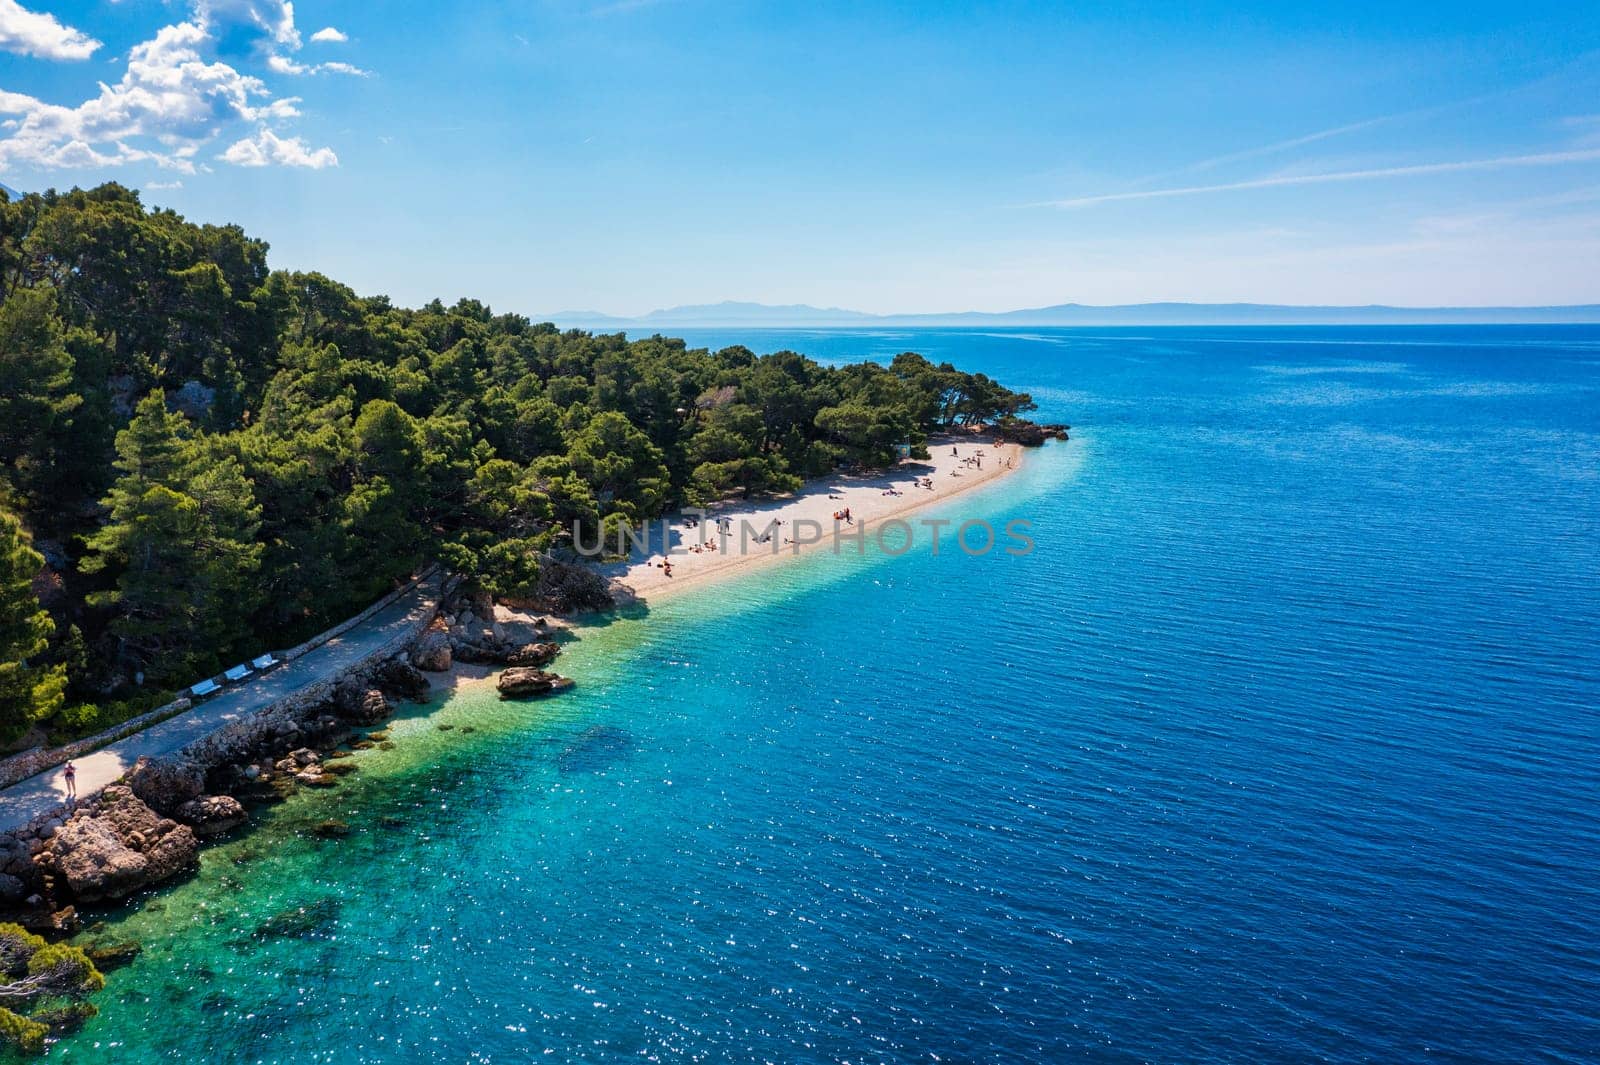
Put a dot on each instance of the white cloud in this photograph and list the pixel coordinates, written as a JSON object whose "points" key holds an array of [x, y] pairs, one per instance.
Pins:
{"points": [[272, 19], [173, 99], [39, 34], [284, 65], [266, 148], [329, 35], [155, 186]]}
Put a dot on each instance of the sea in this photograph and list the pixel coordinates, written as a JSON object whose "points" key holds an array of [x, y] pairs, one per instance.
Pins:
{"points": [[1281, 745]]}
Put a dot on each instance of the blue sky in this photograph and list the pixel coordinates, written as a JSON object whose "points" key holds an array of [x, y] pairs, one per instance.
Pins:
{"points": [[621, 156]]}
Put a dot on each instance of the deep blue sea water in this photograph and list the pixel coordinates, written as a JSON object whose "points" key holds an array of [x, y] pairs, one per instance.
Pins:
{"points": [[1283, 746]]}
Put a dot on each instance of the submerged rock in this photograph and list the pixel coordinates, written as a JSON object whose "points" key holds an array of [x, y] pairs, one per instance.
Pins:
{"points": [[521, 681], [315, 920], [596, 748], [330, 829], [113, 955]]}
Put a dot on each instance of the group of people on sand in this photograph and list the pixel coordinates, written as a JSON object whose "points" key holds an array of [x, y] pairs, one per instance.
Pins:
{"points": [[724, 525]]}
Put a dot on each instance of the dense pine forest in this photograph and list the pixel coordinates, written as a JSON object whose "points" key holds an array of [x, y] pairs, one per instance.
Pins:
{"points": [[205, 457]]}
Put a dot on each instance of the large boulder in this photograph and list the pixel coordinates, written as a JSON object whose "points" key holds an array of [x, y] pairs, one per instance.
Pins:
{"points": [[360, 704], [522, 681], [164, 784], [480, 602], [488, 652], [432, 652], [212, 815], [399, 679], [375, 707], [118, 845], [535, 655], [567, 587], [16, 857]]}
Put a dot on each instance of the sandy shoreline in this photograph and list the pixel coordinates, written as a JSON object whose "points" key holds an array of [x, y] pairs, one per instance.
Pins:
{"points": [[642, 579], [866, 497]]}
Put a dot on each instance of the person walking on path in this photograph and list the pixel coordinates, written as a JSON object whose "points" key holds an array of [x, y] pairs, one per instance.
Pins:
{"points": [[70, 774]]}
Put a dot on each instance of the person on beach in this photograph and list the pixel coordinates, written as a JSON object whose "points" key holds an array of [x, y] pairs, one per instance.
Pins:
{"points": [[70, 775]]}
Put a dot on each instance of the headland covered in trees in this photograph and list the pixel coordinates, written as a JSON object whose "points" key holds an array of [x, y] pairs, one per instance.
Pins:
{"points": [[205, 457]]}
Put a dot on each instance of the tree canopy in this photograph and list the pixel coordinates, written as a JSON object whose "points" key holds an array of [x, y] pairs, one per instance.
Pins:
{"points": [[217, 458]]}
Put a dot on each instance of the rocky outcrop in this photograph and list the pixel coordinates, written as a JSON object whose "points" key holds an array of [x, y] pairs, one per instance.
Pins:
{"points": [[566, 587], [432, 652], [535, 655], [129, 835], [194, 399], [361, 705], [212, 815], [1030, 434], [399, 679], [165, 784], [117, 845], [16, 862], [504, 652], [305, 767], [520, 682]]}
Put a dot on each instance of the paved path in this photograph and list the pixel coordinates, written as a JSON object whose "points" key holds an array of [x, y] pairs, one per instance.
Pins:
{"points": [[27, 799]]}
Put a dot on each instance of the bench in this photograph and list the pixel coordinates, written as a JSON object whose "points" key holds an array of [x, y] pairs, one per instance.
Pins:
{"points": [[236, 674], [205, 687]]}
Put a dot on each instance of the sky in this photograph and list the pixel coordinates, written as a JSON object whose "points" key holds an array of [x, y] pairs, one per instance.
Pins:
{"points": [[624, 155]]}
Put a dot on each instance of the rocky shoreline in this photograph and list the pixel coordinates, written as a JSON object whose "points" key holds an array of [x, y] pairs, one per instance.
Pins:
{"points": [[147, 827]]}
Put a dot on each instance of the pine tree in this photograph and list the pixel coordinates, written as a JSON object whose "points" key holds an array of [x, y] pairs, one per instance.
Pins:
{"points": [[29, 691], [35, 372], [182, 540]]}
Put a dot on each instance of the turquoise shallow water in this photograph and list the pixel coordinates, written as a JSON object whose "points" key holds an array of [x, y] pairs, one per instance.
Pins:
{"points": [[1283, 746]]}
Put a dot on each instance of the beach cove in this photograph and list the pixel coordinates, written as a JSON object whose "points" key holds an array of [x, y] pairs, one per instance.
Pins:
{"points": [[833, 813], [816, 515]]}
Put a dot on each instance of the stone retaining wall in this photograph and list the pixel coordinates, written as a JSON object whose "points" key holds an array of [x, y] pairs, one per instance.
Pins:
{"points": [[215, 749]]}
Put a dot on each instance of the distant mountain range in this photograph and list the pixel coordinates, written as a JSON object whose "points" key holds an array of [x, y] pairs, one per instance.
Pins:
{"points": [[759, 315], [11, 194]]}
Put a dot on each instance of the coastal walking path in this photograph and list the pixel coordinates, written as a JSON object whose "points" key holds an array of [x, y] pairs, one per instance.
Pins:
{"points": [[40, 794]]}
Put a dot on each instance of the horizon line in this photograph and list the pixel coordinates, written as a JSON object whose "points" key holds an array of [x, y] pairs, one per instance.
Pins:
{"points": [[710, 308]]}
